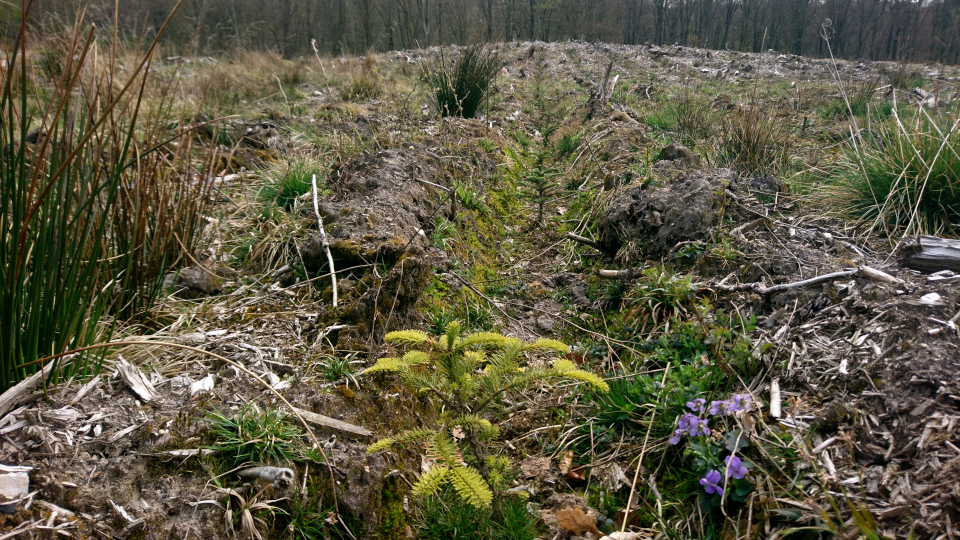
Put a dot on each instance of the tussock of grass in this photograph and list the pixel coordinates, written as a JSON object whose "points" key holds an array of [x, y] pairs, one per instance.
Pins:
{"points": [[755, 142], [857, 99], [98, 203], [254, 436], [691, 118], [460, 88], [364, 81], [903, 175], [287, 183]]}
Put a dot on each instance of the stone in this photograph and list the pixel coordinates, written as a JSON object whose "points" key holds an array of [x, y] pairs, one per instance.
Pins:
{"points": [[196, 282]]}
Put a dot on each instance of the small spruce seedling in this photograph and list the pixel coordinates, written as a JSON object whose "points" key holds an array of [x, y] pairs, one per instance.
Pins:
{"points": [[466, 374], [541, 187]]}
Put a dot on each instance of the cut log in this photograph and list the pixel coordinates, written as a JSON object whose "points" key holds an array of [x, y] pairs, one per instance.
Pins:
{"points": [[930, 254]]}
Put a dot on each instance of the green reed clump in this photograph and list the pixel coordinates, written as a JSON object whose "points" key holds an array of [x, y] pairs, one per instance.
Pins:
{"points": [[460, 88], [903, 175], [93, 213]]}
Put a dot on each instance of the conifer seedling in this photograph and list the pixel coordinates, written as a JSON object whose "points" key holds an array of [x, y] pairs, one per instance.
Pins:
{"points": [[466, 374]]}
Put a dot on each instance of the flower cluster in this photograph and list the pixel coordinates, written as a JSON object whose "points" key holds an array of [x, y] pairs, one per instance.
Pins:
{"points": [[727, 407], [712, 482], [691, 425], [696, 424]]}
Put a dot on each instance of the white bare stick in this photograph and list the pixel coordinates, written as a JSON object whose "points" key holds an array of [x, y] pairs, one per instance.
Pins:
{"points": [[775, 404], [323, 240]]}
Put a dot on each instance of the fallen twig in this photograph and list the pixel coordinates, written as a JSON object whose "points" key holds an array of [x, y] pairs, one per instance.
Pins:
{"points": [[333, 423], [863, 271], [585, 241], [323, 240]]}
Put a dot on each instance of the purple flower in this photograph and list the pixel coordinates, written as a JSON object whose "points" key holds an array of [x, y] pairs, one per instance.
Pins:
{"points": [[711, 483], [716, 407], [735, 467], [696, 405], [693, 426], [704, 428], [743, 401], [676, 438], [740, 402]]}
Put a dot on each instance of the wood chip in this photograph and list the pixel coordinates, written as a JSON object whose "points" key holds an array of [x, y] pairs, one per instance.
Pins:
{"points": [[136, 380], [13, 427], [85, 389], [64, 416], [123, 433], [52, 508], [10, 398], [775, 399]]}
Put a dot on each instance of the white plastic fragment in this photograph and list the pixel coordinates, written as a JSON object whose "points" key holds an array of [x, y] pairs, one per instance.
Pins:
{"points": [[775, 399], [14, 484], [203, 385]]}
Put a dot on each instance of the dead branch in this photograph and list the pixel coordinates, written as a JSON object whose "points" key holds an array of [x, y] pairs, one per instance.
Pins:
{"points": [[585, 241], [323, 239], [628, 273], [864, 272]]}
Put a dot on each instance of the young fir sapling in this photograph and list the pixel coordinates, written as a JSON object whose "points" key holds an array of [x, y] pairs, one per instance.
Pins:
{"points": [[467, 375]]}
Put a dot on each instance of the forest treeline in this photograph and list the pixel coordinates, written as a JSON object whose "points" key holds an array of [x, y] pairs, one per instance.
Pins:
{"points": [[915, 30]]}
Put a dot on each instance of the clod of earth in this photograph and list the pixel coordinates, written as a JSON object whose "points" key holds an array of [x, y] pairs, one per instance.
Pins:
{"points": [[657, 218]]}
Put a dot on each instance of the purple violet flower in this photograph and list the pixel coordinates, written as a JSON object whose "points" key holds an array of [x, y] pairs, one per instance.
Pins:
{"points": [[704, 428], [716, 407], [696, 405], [735, 468], [689, 423], [711, 483], [676, 438]]}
